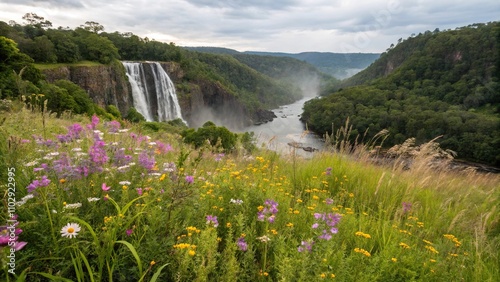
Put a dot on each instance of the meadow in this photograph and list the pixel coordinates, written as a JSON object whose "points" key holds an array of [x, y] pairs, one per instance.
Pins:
{"points": [[100, 200]]}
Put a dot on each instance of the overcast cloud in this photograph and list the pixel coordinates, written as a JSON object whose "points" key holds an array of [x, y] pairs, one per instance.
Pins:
{"points": [[263, 25]]}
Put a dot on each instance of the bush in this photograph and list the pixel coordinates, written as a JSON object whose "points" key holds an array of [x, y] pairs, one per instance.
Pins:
{"points": [[113, 110], [134, 116], [216, 136]]}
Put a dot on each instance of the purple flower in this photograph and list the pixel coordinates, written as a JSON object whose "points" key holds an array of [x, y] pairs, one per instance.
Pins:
{"points": [[139, 191], [94, 123], [146, 161], [39, 182], [212, 220], [113, 126], [305, 246], [242, 245], [219, 157], [162, 147], [129, 232], [328, 171], [268, 212], [189, 179], [329, 201], [74, 131], [97, 153], [406, 207], [327, 222]]}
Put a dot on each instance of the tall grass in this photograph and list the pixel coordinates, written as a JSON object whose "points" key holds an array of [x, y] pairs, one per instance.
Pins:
{"points": [[397, 222]]}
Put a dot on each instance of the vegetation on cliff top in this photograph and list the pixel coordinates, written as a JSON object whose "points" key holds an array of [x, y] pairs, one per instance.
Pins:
{"points": [[50, 47], [429, 85]]}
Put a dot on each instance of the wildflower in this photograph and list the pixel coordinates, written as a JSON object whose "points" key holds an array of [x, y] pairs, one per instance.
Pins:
{"points": [[364, 235], [218, 157], [129, 232], [268, 212], [70, 230], [264, 239], [94, 123], [431, 249], [191, 252], [39, 182], [236, 202], [189, 179], [97, 154], [328, 222], [146, 161], [212, 220], [362, 251], [152, 263], [105, 188], [124, 183], [113, 126], [92, 199], [72, 206], [394, 259], [305, 246], [404, 246], [406, 207], [242, 245], [139, 191], [329, 201], [328, 171]]}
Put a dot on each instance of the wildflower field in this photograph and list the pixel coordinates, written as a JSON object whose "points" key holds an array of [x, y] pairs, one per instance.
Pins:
{"points": [[99, 200]]}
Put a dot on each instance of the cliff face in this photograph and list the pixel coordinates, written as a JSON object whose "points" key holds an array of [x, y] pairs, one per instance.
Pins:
{"points": [[106, 84], [200, 100], [204, 100]]}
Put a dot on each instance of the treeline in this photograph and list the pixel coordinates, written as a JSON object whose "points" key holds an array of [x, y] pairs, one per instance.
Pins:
{"points": [[36, 41], [433, 84]]}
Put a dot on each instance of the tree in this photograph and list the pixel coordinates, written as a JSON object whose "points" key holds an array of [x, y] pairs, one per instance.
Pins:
{"points": [[93, 26]]}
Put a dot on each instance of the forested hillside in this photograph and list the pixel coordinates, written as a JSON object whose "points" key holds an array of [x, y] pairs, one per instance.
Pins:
{"points": [[35, 41], [433, 84]]}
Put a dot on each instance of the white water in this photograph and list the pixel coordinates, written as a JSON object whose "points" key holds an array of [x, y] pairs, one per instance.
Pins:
{"points": [[163, 89]]}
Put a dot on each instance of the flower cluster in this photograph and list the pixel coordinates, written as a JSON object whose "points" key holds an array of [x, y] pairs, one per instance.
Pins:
{"points": [[268, 211], [40, 182], [362, 251], [305, 246], [242, 244], [328, 221], [212, 220]]}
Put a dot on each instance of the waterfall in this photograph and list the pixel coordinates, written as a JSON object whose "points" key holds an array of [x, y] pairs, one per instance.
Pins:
{"points": [[152, 91]]}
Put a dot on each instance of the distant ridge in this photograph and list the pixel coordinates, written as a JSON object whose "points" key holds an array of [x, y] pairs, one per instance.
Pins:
{"points": [[339, 65]]}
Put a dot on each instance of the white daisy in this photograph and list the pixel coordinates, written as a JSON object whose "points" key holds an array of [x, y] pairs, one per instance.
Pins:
{"points": [[93, 199], [70, 230]]}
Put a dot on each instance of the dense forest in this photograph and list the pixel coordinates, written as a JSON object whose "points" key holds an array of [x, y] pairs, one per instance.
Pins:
{"points": [[440, 83], [35, 41]]}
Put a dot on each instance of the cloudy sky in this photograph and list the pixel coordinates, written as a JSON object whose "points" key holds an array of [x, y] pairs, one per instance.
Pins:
{"points": [[264, 25]]}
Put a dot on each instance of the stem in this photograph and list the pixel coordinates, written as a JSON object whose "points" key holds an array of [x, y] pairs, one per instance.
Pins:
{"points": [[50, 218]]}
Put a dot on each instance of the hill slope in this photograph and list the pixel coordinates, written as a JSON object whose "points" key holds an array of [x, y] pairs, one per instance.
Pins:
{"points": [[435, 84]]}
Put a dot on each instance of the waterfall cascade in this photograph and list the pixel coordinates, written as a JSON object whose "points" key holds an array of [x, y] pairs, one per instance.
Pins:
{"points": [[152, 91]]}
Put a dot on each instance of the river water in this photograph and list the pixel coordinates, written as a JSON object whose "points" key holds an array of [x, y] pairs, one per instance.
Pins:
{"points": [[287, 129]]}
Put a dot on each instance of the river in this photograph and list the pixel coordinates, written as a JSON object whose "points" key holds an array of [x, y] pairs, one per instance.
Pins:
{"points": [[287, 129]]}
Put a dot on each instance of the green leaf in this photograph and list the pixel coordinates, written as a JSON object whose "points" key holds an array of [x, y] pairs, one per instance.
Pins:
{"points": [[134, 253]]}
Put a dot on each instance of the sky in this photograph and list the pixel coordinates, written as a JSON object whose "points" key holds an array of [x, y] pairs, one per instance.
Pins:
{"points": [[292, 26]]}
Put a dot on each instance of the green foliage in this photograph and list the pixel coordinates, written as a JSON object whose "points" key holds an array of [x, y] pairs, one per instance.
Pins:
{"points": [[216, 136], [439, 84], [64, 96], [134, 116], [113, 110]]}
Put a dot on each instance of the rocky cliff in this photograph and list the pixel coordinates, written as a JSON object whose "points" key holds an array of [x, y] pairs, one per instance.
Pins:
{"points": [[105, 84], [200, 100]]}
